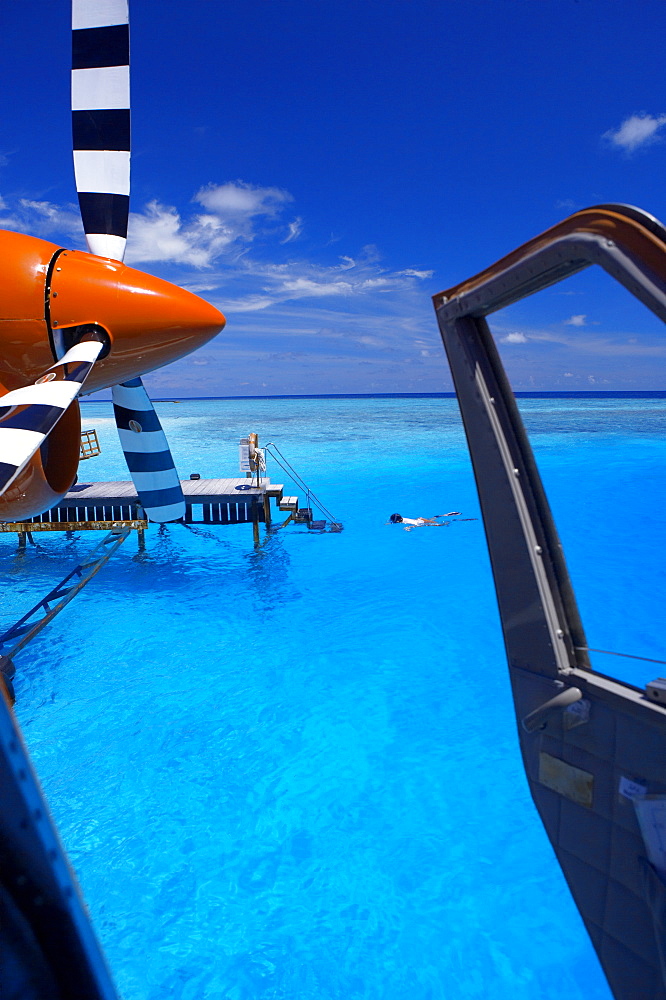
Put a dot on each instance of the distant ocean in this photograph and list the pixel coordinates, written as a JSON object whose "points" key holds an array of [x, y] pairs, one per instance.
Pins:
{"points": [[571, 394], [292, 773]]}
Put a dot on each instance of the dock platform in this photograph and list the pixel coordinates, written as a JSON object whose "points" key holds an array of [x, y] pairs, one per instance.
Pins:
{"points": [[207, 501]]}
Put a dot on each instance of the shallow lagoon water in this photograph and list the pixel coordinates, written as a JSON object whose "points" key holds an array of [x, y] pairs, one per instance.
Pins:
{"points": [[293, 773]]}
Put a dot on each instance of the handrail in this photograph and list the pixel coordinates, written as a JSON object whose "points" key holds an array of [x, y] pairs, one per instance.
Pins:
{"points": [[627, 242]]}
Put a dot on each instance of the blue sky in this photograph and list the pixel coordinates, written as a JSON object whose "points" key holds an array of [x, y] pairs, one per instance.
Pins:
{"points": [[319, 168]]}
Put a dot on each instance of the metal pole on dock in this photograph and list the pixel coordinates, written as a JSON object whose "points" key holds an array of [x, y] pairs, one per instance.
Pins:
{"points": [[141, 534], [255, 524], [267, 509]]}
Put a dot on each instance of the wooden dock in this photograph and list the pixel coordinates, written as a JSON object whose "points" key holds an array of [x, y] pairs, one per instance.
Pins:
{"points": [[207, 501]]}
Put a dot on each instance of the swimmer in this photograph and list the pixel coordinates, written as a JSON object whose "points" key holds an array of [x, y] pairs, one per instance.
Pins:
{"points": [[420, 522]]}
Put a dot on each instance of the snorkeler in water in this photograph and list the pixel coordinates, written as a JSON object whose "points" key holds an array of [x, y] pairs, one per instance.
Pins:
{"points": [[420, 522]]}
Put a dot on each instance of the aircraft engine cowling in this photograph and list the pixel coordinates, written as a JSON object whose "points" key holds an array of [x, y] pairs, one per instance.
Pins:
{"points": [[50, 473]]}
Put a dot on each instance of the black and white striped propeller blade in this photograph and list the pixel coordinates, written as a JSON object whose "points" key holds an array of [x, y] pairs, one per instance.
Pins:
{"points": [[101, 134], [147, 453], [101, 121], [29, 414]]}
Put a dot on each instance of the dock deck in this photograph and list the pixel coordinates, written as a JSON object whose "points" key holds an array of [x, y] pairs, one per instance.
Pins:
{"points": [[207, 501], [195, 491]]}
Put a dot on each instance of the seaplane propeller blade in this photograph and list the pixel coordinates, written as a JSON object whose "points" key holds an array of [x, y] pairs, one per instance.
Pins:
{"points": [[28, 415], [101, 139], [147, 453], [101, 122]]}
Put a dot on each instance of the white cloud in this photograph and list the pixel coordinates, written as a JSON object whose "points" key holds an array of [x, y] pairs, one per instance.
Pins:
{"points": [[371, 341], [234, 239], [43, 219], [635, 131], [578, 320], [587, 342], [229, 224], [269, 284], [347, 262], [241, 200], [380, 283], [252, 303], [200, 286], [514, 338], [295, 230], [371, 254], [302, 286], [159, 234], [410, 272]]}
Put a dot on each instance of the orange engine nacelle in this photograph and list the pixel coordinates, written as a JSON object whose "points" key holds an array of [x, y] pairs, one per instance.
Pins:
{"points": [[50, 296], [50, 473]]}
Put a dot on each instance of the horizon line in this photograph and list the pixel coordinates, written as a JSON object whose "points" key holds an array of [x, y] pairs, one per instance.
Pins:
{"points": [[519, 393]]}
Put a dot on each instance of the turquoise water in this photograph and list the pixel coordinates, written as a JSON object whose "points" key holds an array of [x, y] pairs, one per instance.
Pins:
{"points": [[292, 773]]}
